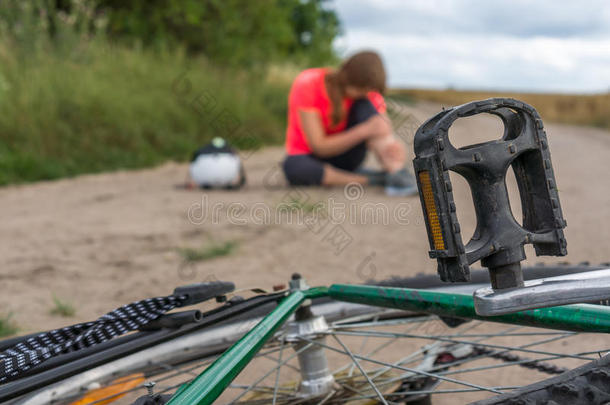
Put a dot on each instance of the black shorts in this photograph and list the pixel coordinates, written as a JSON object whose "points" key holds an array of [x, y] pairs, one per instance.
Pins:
{"points": [[307, 170]]}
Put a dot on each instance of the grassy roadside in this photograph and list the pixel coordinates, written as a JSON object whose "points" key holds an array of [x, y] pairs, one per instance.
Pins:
{"points": [[95, 107], [89, 106], [589, 110]]}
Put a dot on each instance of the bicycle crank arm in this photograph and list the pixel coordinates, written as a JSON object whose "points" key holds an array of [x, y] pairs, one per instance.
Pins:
{"points": [[588, 287]]}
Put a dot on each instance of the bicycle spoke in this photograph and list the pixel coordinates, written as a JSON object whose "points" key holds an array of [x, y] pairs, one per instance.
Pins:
{"points": [[277, 375], [387, 334], [404, 368], [491, 335], [290, 366], [268, 373], [391, 322], [428, 392], [518, 348], [438, 353], [326, 398], [411, 358], [360, 368], [382, 346], [415, 356], [362, 346]]}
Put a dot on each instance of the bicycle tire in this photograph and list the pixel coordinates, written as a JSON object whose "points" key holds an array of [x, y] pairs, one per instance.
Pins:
{"points": [[585, 385]]}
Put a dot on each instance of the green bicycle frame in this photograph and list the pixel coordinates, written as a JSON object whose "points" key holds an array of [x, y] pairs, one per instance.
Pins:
{"points": [[210, 384]]}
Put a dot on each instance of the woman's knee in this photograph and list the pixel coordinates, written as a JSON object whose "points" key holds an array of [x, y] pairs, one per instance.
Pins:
{"points": [[360, 111], [381, 141]]}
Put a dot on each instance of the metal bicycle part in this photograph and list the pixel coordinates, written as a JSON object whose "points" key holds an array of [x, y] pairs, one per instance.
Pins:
{"points": [[443, 356], [498, 239], [593, 286], [212, 383], [439, 364], [316, 377], [196, 345], [442, 353], [67, 365]]}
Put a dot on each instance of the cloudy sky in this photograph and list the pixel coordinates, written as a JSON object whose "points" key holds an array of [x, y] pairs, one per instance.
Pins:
{"points": [[543, 45]]}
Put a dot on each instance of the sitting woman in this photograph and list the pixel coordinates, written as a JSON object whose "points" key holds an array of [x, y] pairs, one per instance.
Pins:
{"points": [[334, 118]]}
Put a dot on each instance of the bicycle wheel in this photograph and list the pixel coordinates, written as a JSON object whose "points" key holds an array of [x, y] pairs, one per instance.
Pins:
{"points": [[353, 354]]}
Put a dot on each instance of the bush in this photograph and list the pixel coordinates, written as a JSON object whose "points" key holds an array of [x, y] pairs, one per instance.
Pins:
{"points": [[95, 85], [100, 107], [230, 32]]}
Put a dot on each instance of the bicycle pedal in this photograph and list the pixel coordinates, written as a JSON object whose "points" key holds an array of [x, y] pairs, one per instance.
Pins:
{"points": [[588, 287], [498, 239]]}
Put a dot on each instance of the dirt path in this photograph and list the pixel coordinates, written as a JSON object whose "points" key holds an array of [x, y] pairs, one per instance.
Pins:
{"points": [[102, 240]]}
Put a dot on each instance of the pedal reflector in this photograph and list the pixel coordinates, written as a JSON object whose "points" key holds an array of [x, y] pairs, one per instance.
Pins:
{"points": [[111, 392], [431, 212]]}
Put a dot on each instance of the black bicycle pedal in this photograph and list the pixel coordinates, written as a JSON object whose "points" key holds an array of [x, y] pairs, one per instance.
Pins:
{"points": [[498, 239]]}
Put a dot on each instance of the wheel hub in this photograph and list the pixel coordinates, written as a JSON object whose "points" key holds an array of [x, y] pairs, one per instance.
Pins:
{"points": [[316, 377]]}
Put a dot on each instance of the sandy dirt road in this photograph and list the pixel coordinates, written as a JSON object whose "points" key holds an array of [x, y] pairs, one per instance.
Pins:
{"points": [[99, 241]]}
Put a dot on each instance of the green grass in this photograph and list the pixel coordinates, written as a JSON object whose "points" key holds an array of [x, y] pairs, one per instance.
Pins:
{"points": [[296, 204], [576, 109], [87, 106], [62, 308], [398, 97], [98, 107], [207, 252], [7, 325]]}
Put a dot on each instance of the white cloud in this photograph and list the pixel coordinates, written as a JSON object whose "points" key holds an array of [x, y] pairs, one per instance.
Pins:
{"points": [[518, 45]]}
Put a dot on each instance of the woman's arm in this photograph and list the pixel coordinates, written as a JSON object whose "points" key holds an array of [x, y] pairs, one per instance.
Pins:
{"points": [[327, 146]]}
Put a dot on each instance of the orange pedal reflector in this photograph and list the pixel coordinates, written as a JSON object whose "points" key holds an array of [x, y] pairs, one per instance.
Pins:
{"points": [[111, 392], [431, 212]]}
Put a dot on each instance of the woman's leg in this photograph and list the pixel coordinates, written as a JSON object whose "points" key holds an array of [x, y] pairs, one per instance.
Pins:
{"points": [[389, 151], [339, 170], [337, 177], [307, 170]]}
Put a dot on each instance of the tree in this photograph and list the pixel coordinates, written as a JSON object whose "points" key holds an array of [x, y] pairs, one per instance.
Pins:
{"points": [[233, 32]]}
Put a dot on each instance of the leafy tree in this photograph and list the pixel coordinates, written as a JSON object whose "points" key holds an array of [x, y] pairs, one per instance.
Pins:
{"points": [[234, 32], [228, 32], [314, 27]]}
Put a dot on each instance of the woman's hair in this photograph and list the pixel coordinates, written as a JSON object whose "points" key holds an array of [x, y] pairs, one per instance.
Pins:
{"points": [[363, 70]]}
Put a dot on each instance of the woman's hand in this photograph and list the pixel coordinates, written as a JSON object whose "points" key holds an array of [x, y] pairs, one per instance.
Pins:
{"points": [[326, 146]]}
